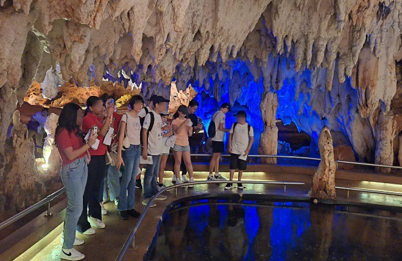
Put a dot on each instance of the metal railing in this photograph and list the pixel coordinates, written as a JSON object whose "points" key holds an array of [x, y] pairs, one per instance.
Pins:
{"points": [[374, 191], [131, 237], [56, 194], [45, 201]]}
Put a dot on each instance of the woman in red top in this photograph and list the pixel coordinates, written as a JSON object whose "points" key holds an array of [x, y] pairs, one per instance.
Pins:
{"points": [[96, 167], [74, 173]]}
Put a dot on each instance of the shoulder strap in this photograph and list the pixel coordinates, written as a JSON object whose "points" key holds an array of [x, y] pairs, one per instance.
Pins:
{"points": [[151, 124], [146, 110], [234, 126]]}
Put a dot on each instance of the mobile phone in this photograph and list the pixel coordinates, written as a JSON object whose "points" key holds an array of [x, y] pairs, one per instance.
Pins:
{"points": [[95, 129]]}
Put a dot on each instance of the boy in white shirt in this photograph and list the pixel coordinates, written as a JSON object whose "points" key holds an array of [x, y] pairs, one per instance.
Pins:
{"points": [[240, 141], [218, 147], [153, 146]]}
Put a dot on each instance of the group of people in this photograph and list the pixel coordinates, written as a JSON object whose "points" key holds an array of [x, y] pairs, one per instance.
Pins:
{"points": [[103, 154]]}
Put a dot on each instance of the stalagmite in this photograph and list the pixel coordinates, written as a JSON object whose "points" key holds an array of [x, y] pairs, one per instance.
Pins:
{"points": [[385, 133], [269, 138], [324, 177]]}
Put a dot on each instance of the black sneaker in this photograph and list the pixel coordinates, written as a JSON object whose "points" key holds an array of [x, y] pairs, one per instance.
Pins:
{"points": [[133, 213], [240, 186], [138, 184], [229, 186], [123, 215]]}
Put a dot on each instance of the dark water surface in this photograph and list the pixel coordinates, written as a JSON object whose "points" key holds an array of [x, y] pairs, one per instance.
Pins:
{"points": [[222, 230]]}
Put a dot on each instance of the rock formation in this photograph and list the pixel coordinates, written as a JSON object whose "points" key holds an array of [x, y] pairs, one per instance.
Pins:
{"points": [[269, 138], [324, 177], [332, 63], [181, 97], [50, 151]]}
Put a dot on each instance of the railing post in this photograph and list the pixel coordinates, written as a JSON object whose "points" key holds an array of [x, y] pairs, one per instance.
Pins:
{"points": [[175, 191], [347, 193], [48, 213], [284, 188]]}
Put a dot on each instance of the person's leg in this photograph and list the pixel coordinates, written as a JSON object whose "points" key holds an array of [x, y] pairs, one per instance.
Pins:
{"points": [[188, 164], [183, 168], [95, 210], [131, 185], [83, 224], [177, 163], [162, 167], [147, 181], [218, 157], [156, 160], [212, 163], [128, 158], [114, 182], [104, 187], [240, 175], [74, 178]]}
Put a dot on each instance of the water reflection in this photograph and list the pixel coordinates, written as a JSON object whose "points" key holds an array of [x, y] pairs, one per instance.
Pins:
{"points": [[223, 230]]}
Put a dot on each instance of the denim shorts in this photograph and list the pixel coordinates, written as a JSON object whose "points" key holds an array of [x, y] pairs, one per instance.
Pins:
{"points": [[181, 148]]}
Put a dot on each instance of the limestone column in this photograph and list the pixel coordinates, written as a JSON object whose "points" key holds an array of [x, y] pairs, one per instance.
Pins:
{"points": [[269, 137], [385, 133], [324, 177]]}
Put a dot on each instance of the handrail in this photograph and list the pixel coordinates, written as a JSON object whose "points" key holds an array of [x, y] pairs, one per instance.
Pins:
{"points": [[56, 194], [34, 207], [130, 238], [374, 191]]}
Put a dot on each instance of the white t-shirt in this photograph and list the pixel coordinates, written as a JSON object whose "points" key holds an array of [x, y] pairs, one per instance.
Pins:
{"points": [[241, 138], [143, 112], [155, 140], [219, 117], [133, 128]]}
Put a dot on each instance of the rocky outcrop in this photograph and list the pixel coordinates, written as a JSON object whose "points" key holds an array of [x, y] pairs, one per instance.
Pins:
{"points": [[324, 177], [344, 153], [181, 97], [269, 138]]}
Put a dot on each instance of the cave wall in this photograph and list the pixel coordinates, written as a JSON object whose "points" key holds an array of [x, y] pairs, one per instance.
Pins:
{"points": [[330, 62]]}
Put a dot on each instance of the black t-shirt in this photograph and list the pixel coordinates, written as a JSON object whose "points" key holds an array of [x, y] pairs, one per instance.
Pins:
{"points": [[193, 118]]}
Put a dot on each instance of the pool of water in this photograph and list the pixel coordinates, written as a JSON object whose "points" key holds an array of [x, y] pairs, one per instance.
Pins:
{"points": [[276, 230]]}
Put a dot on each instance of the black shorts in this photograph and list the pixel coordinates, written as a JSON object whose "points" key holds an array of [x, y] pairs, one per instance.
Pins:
{"points": [[236, 163], [218, 147]]}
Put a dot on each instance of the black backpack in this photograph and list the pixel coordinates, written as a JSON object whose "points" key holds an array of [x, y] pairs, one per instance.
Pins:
{"points": [[248, 125], [151, 124], [212, 129]]}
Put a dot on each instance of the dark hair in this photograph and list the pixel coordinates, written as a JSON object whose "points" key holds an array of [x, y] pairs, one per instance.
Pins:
{"points": [[68, 119], [193, 103], [153, 98], [107, 98], [90, 102], [45, 109], [134, 99], [183, 109]]}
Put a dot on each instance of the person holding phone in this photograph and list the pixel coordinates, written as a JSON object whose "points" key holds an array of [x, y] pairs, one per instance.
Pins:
{"points": [[74, 173], [183, 129], [92, 122]]}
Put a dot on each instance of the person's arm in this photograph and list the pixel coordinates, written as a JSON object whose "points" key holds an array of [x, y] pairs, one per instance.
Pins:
{"points": [[251, 141], [73, 154], [177, 130], [222, 127], [145, 143], [120, 145], [190, 131], [230, 143]]}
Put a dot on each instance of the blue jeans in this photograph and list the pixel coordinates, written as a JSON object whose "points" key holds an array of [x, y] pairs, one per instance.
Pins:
{"points": [[151, 174], [74, 177], [112, 181], [131, 158]]}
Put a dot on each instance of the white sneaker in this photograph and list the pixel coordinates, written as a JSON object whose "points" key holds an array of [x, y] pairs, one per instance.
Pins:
{"points": [[174, 179], [146, 201], [71, 254], [89, 231], [96, 223], [219, 177], [116, 201], [184, 178], [211, 178], [104, 211], [191, 181], [161, 198], [78, 242], [178, 181]]}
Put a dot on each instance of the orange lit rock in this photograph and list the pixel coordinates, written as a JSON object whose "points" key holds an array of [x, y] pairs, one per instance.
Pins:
{"points": [[345, 153]]}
